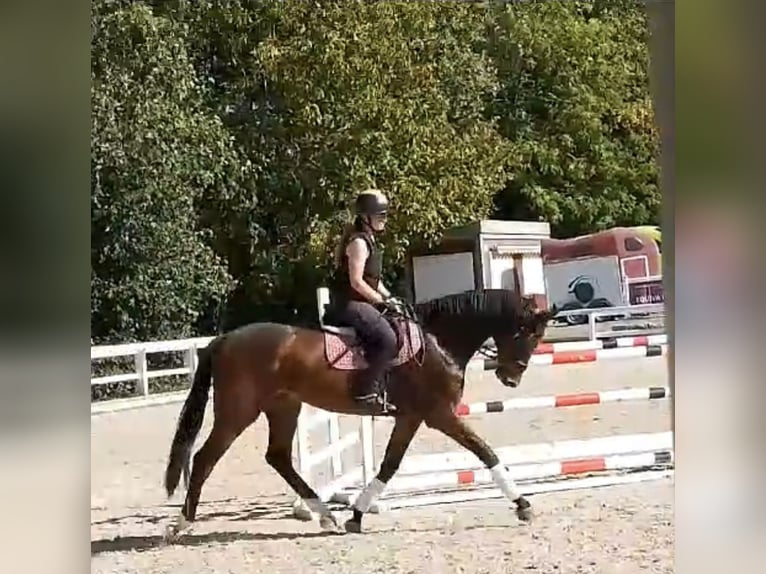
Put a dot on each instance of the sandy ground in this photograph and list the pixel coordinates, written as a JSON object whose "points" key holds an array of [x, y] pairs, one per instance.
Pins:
{"points": [[245, 521]]}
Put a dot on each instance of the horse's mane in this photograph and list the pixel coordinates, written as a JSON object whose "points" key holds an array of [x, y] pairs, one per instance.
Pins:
{"points": [[481, 303], [430, 341]]}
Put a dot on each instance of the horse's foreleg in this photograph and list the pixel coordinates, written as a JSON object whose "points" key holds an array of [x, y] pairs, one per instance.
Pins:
{"points": [[398, 443], [283, 422], [456, 429]]}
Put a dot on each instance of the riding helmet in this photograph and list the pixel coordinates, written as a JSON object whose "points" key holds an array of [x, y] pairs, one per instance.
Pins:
{"points": [[371, 202]]}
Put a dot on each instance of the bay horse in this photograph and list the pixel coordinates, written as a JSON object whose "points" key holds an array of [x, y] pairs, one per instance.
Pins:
{"points": [[273, 368]]}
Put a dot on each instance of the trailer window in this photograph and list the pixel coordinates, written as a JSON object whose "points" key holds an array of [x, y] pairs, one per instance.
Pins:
{"points": [[633, 244]]}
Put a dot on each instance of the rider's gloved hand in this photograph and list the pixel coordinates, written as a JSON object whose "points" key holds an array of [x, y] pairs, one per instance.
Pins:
{"points": [[392, 304], [398, 301]]}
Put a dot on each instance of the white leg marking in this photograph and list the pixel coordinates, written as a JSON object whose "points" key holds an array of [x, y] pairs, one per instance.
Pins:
{"points": [[176, 527], [504, 482], [181, 523], [369, 495], [326, 519]]}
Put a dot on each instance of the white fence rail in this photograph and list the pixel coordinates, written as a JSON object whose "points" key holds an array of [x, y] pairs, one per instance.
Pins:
{"points": [[142, 373]]}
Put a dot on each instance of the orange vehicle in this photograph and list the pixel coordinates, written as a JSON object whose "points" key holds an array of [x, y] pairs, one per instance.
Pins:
{"points": [[613, 268]]}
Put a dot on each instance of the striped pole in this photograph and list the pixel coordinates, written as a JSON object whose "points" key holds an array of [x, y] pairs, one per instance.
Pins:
{"points": [[463, 478], [569, 357], [518, 455], [613, 343], [488, 493], [569, 400]]}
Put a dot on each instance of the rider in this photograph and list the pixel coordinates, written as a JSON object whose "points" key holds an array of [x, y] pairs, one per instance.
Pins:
{"points": [[359, 296]]}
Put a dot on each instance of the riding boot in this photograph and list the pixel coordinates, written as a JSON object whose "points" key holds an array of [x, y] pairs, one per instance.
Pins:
{"points": [[367, 390], [366, 387]]}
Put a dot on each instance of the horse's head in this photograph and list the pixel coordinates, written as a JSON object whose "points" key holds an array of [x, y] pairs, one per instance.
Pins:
{"points": [[463, 321], [516, 341]]}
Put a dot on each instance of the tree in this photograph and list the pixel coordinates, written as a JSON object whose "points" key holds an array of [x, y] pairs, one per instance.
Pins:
{"points": [[229, 136], [327, 98], [156, 155], [575, 103]]}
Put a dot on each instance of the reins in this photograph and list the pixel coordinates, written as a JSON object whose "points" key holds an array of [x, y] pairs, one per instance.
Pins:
{"points": [[407, 311]]}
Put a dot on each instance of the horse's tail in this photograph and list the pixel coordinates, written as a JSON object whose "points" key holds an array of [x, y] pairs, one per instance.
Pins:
{"points": [[190, 419]]}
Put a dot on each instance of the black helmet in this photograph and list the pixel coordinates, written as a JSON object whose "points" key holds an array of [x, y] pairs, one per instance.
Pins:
{"points": [[371, 202]]}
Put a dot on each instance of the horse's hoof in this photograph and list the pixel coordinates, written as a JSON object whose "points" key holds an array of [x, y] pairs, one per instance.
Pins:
{"points": [[301, 511], [525, 514], [328, 522], [353, 526], [524, 510], [174, 531], [171, 534], [302, 514]]}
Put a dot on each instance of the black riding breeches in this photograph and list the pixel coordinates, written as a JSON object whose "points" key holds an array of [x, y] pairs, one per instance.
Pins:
{"points": [[375, 333]]}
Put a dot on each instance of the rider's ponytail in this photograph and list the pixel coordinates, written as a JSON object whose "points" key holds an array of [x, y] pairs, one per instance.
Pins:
{"points": [[353, 227]]}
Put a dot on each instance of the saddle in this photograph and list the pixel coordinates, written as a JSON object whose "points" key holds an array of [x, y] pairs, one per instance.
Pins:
{"points": [[344, 351]]}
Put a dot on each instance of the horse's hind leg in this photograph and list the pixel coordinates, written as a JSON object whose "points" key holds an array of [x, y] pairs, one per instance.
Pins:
{"points": [[283, 422], [456, 429], [224, 433]]}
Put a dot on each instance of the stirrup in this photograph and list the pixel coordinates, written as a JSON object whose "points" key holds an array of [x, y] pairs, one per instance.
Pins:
{"points": [[386, 406], [377, 401], [368, 398]]}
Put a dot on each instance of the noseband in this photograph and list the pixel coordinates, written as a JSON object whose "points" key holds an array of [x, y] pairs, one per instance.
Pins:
{"points": [[490, 353]]}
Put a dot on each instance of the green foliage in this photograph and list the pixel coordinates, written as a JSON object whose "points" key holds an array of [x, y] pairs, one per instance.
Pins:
{"points": [[155, 154], [576, 103], [339, 96], [229, 136]]}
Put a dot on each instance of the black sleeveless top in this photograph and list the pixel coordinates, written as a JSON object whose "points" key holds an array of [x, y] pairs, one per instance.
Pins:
{"points": [[342, 290]]}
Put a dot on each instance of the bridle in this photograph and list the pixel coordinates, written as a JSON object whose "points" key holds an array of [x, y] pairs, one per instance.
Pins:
{"points": [[490, 352]]}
